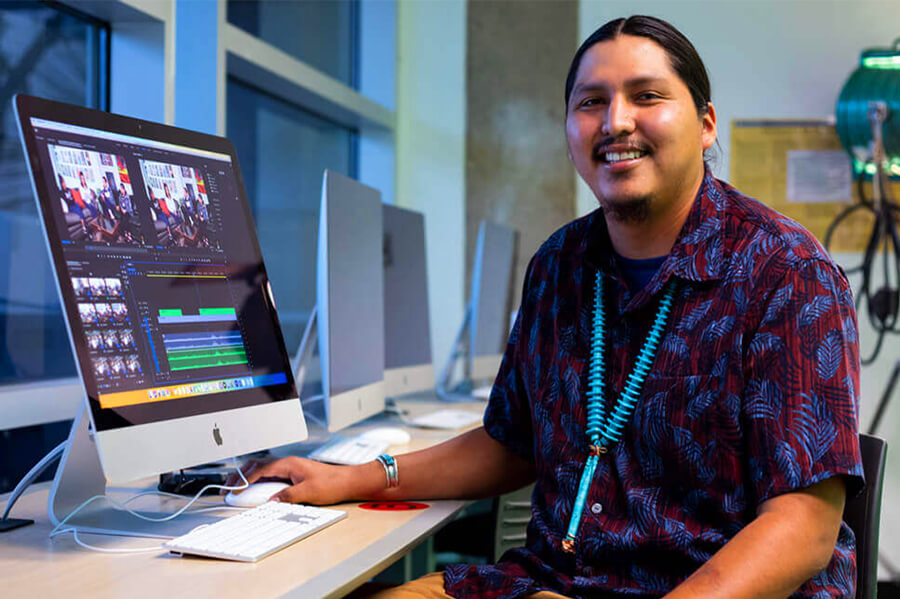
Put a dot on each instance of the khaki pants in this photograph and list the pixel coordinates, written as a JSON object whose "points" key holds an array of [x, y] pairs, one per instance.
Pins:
{"points": [[430, 586]]}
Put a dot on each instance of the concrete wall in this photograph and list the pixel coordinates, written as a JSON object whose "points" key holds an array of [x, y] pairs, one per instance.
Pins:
{"points": [[517, 171], [783, 59]]}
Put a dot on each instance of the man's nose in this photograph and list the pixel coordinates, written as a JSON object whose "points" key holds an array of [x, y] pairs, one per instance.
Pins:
{"points": [[619, 117]]}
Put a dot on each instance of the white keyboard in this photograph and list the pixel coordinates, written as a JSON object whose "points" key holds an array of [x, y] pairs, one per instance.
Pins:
{"points": [[255, 533], [447, 419], [349, 451]]}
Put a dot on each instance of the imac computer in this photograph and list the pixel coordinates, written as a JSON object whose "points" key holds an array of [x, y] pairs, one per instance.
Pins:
{"points": [[350, 301], [407, 339], [166, 299], [492, 274], [482, 337]]}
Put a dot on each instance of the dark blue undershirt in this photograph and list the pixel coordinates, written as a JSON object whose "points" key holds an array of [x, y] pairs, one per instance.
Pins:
{"points": [[637, 273]]}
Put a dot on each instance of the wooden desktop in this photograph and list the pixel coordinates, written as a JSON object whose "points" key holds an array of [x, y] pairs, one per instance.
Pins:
{"points": [[330, 563]]}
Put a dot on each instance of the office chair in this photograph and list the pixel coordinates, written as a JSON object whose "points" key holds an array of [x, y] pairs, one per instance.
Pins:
{"points": [[513, 512], [863, 515], [486, 529]]}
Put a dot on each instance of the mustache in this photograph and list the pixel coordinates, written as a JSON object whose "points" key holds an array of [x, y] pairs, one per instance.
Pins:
{"points": [[629, 144]]}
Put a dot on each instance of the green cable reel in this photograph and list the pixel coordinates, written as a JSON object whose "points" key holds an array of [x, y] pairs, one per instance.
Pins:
{"points": [[877, 79]]}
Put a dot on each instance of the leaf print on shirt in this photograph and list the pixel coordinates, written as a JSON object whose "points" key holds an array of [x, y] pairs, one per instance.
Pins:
{"points": [[829, 355], [815, 309]]}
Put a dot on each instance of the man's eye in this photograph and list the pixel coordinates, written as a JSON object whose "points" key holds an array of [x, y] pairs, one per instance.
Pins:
{"points": [[648, 96]]}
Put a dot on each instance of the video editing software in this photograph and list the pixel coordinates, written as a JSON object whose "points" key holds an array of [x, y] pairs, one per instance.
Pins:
{"points": [[167, 287]]}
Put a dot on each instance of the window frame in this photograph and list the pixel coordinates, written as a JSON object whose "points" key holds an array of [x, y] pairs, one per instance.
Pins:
{"points": [[143, 49]]}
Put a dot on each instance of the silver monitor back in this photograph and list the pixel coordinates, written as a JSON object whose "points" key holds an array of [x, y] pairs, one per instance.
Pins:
{"points": [[350, 301], [490, 301], [407, 334]]}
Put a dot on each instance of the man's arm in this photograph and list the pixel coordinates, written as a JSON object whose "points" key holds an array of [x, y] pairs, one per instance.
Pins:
{"points": [[470, 466], [791, 539]]}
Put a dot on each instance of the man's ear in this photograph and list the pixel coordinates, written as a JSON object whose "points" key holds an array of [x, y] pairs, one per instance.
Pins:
{"points": [[709, 129]]}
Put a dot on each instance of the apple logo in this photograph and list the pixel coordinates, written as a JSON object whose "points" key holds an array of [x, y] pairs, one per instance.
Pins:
{"points": [[217, 435]]}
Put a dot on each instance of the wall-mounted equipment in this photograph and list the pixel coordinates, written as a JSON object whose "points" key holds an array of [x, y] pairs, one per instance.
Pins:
{"points": [[868, 125]]}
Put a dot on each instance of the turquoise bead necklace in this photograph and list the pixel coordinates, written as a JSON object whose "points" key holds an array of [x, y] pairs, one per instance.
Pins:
{"points": [[604, 432]]}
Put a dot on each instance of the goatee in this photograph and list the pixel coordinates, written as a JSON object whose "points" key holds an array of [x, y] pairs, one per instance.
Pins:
{"points": [[632, 210]]}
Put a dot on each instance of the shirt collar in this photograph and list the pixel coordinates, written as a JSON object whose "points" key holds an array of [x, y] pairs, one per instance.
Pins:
{"points": [[698, 252]]}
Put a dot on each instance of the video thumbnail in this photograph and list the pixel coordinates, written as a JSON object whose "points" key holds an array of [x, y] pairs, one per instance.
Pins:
{"points": [[119, 314], [82, 287], [110, 339], [98, 287], [113, 287], [126, 338], [101, 367], [95, 196], [95, 340], [104, 313], [179, 204], [88, 314], [132, 364], [117, 365]]}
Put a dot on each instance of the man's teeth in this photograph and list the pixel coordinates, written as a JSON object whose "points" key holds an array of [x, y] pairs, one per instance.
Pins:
{"points": [[619, 156]]}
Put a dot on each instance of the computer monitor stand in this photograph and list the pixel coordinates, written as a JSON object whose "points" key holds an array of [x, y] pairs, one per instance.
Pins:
{"points": [[447, 389], [305, 350], [79, 477], [314, 409]]}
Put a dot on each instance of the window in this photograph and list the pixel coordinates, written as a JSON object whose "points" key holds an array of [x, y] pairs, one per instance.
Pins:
{"points": [[49, 51], [54, 53], [321, 33], [282, 151]]}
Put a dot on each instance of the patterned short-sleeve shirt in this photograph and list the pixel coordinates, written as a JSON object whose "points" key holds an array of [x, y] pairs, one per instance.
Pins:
{"points": [[753, 393]]}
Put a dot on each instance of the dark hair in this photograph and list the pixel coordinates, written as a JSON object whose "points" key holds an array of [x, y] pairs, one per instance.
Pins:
{"points": [[685, 60]]}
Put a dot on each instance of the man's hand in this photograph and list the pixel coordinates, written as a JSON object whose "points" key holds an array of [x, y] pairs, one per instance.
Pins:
{"points": [[312, 482], [470, 466]]}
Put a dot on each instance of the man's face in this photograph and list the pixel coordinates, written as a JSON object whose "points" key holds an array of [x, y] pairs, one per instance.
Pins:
{"points": [[633, 131]]}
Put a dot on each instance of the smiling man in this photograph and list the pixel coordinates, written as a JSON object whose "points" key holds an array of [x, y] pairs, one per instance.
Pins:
{"points": [[681, 381]]}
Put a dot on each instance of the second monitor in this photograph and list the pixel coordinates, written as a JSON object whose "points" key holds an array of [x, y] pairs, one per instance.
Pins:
{"points": [[350, 301], [407, 360]]}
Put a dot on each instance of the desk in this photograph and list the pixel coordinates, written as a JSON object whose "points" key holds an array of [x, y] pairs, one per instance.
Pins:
{"points": [[330, 563]]}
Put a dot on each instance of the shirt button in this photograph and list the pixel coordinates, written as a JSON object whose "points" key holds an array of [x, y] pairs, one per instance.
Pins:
{"points": [[596, 508]]}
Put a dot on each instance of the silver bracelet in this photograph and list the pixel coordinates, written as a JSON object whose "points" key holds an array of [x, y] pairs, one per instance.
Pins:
{"points": [[391, 472]]}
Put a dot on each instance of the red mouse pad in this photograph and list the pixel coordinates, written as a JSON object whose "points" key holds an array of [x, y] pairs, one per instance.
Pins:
{"points": [[393, 506]]}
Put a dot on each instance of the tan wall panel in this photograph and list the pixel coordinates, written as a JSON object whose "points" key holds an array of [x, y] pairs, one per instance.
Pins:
{"points": [[517, 170]]}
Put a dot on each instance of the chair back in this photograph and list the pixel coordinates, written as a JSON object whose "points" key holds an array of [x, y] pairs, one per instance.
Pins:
{"points": [[863, 515], [513, 515]]}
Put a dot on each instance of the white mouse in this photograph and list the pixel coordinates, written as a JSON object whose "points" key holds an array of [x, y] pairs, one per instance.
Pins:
{"points": [[388, 434], [254, 495]]}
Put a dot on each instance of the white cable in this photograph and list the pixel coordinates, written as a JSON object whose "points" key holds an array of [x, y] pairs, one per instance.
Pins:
{"points": [[58, 529], [74, 532], [31, 475]]}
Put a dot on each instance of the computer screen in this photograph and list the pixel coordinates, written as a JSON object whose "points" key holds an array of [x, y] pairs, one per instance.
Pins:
{"points": [[491, 295], [407, 338], [350, 301], [163, 287]]}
